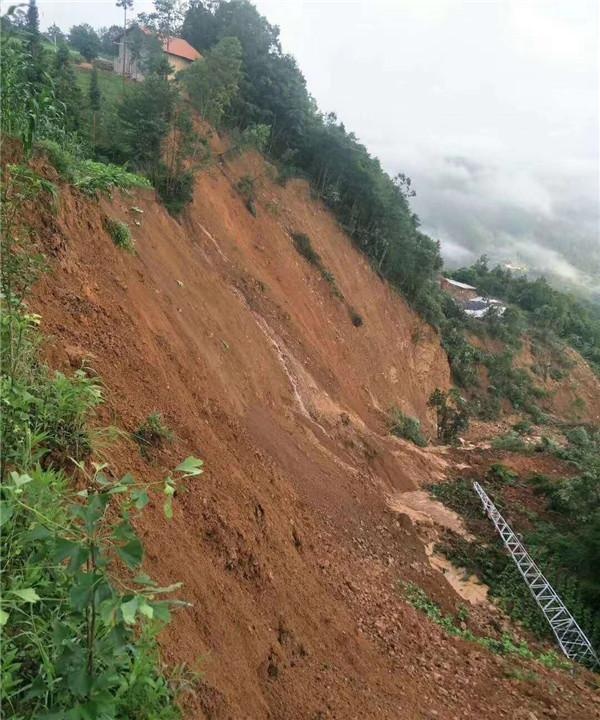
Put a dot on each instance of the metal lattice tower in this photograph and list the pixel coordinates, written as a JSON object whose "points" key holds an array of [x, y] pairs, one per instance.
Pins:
{"points": [[571, 638]]}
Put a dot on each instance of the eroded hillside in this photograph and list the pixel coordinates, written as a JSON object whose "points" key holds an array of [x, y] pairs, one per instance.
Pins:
{"points": [[289, 546]]}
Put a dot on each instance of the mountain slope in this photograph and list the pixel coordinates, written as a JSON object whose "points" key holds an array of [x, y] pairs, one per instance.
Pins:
{"points": [[290, 555]]}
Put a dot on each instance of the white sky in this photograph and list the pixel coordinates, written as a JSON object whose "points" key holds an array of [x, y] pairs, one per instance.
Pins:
{"points": [[491, 106]]}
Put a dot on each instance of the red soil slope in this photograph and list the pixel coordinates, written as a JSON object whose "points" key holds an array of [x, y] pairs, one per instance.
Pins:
{"points": [[290, 557]]}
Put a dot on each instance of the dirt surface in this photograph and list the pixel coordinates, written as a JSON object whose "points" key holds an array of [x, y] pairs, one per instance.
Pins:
{"points": [[291, 558]]}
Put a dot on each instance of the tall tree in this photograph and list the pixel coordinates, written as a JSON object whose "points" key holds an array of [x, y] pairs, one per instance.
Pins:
{"points": [[213, 81], [199, 26], [34, 42], [126, 5], [85, 39], [55, 35], [66, 89], [166, 19], [94, 98], [109, 38]]}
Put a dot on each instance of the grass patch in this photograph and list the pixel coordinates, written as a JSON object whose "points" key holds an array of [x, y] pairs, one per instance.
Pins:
{"points": [[406, 427], [506, 645], [120, 234], [110, 83], [152, 434]]}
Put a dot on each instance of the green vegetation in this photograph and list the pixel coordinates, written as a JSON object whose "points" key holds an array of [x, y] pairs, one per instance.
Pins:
{"points": [[553, 313], [246, 186], [406, 427], [451, 412], [152, 434], [85, 39], [304, 246], [213, 82], [511, 441], [79, 620], [506, 645], [564, 539], [120, 234], [109, 83], [91, 178]]}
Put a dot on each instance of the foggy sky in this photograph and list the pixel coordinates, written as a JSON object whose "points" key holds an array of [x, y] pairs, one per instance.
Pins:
{"points": [[491, 106]]}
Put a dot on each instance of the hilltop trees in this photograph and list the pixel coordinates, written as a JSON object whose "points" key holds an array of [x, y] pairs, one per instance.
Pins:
{"points": [[85, 39], [371, 206], [55, 34], [213, 82], [108, 40]]}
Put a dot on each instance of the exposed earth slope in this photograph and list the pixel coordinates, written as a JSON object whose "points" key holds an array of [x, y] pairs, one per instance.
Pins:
{"points": [[292, 546]]}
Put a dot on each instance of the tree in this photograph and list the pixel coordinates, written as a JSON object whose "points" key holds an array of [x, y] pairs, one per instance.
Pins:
{"points": [[213, 81], [145, 113], [126, 5], [452, 416], [94, 98], [85, 39], [34, 42], [146, 50], [199, 26], [55, 34], [166, 19], [109, 38], [66, 89]]}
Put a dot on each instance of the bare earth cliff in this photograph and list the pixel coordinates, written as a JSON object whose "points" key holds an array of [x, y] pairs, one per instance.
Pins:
{"points": [[293, 545]]}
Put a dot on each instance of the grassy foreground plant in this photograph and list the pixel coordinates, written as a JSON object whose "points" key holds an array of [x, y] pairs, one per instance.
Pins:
{"points": [[69, 623]]}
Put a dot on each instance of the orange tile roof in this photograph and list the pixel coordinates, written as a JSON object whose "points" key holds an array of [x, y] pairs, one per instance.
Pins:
{"points": [[181, 48]]}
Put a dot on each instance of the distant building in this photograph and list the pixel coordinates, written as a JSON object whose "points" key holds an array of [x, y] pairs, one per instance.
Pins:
{"points": [[458, 290], [178, 52], [469, 299], [479, 307], [515, 268]]}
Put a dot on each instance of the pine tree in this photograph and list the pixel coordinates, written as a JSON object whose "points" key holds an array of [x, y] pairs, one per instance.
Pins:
{"points": [[95, 98], [34, 42]]}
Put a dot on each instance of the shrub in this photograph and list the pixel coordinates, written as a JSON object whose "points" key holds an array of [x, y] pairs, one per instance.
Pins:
{"points": [[246, 186], [452, 414], [175, 191], [92, 178], [120, 234], [523, 427], [487, 407], [152, 433], [406, 427], [304, 246], [579, 437], [501, 473], [510, 441]]}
